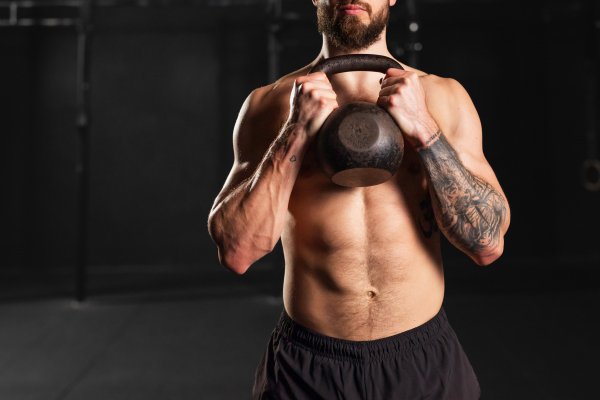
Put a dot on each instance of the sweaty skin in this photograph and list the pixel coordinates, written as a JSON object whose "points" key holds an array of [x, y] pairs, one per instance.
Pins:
{"points": [[360, 263]]}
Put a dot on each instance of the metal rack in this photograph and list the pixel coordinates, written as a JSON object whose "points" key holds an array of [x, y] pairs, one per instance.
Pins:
{"points": [[79, 14]]}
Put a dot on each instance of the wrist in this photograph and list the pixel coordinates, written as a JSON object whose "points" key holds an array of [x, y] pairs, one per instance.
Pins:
{"points": [[290, 145], [427, 134], [299, 134], [297, 141]]}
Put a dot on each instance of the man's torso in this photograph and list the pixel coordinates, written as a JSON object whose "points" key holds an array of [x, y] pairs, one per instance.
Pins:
{"points": [[361, 263]]}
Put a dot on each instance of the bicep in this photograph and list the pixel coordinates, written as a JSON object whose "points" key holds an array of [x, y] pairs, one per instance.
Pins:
{"points": [[249, 145], [462, 127]]}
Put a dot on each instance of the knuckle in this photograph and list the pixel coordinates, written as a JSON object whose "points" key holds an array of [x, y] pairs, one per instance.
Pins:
{"points": [[314, 94], [323, 103]]}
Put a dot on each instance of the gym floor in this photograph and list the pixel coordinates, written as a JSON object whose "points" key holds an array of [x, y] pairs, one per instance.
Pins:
{"points": [[200, 336]]}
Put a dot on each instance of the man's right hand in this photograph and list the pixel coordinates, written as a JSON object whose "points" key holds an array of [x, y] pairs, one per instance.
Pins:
{"points": [[311, 102]]}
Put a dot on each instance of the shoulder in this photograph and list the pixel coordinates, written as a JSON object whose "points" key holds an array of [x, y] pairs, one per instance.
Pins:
{"points": [[274, 97], [448, 99], [271, 101], [261, 117], [452, 108], [445, 96]]}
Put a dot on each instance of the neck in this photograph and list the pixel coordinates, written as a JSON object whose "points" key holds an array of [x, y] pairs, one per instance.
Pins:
{"points": [[380, 47], [358, 85]]}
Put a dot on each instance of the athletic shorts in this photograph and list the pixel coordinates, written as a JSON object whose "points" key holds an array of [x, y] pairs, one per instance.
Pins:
{"points": [[425, 363]]}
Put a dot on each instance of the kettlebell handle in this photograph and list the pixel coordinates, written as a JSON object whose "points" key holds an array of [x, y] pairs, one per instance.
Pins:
{"points": [[355, 62]]}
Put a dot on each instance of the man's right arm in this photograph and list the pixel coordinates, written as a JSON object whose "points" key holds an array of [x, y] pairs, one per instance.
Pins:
{"points": [[248, 215]]}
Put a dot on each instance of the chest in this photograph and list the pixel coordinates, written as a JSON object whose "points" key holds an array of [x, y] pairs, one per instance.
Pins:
{"points": [[329, 217], [319, 205]]}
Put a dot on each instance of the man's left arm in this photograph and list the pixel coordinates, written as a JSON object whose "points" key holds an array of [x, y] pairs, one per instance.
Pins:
{"points": [[469, 205]]}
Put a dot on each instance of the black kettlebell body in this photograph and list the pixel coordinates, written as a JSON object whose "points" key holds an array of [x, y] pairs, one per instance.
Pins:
{"points": [[359, 144]]}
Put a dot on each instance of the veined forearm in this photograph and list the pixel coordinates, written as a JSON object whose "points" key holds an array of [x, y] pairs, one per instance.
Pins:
{"points": [[248, 222], [468, 209]]}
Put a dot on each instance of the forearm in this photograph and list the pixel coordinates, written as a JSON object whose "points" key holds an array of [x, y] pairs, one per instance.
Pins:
{"points": [[470, 212], [247, 223]]}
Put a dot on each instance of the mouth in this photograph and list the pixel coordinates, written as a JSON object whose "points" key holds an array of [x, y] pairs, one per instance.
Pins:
{"points": [[352, 10]]}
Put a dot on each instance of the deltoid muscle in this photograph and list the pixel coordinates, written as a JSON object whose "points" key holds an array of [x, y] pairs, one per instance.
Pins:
{"points": [[471, 210]]}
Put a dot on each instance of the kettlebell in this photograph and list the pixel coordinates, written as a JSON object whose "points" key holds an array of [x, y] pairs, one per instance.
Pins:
{"points": [[359, 144]]}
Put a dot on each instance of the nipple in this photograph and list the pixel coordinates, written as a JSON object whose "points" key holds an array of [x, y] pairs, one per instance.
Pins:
{"points": [[371, 295]]}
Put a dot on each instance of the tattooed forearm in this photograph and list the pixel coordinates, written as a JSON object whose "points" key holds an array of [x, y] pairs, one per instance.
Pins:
{"points": [[431, 139], [470, 211]]}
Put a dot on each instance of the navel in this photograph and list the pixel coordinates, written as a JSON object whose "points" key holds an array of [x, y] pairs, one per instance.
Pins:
{"points": [[371, 295]]}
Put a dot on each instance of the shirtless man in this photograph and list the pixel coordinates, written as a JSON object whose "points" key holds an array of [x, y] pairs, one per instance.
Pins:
{"points": [[364, 281]]}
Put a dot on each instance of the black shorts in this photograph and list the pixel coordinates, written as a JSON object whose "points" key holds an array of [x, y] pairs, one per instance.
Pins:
{"points": [[425, 363]]}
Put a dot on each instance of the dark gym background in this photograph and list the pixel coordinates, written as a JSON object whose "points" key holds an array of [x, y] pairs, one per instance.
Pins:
{"points": [[160, 318]]}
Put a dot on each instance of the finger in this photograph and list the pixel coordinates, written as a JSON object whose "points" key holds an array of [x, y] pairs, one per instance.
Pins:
{"points": [[315, 76], [317, 85], [309, 87], [402, 88], [329, 103], [330, 94], [321, 76], [392, 90], [391, 72], [398, 81], [317, 94], [383, 101], [396, 74], [388, 102], [305, 86]]}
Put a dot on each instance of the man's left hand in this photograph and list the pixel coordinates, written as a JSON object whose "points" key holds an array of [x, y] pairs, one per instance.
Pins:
{"points": [[403, 96]]}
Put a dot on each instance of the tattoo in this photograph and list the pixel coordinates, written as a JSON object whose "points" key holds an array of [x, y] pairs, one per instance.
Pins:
{"points": [[427, 223], [293, 159], [431, 139], [471, 211]]}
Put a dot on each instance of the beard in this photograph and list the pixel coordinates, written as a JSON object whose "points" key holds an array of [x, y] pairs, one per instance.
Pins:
{"points": [[346, 32]]}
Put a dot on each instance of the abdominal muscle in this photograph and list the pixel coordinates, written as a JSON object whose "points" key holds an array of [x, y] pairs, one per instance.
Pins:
{"points": [[358, 266]]}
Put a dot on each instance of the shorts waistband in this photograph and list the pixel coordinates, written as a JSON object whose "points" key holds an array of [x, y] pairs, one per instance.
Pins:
{"points": [[361, 350]]}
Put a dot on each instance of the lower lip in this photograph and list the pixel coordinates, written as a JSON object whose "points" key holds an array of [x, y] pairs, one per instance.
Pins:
{"points": [[353, 12]]}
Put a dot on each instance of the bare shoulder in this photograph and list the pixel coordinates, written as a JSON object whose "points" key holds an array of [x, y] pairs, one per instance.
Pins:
{"points": [[262, 116], [453, 110]]}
